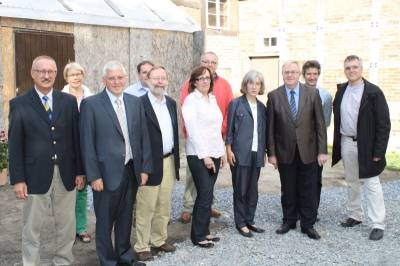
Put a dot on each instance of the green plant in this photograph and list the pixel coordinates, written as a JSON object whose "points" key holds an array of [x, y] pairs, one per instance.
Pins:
{"points": [[393, 161], [3, 150]]}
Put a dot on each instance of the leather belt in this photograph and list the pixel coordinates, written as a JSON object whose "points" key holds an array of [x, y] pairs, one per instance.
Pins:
{"points": [[167, 155], [352, 137]]}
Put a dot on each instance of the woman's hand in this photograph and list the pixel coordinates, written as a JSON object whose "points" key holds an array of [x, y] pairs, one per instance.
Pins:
{"points": [[209, 163]]}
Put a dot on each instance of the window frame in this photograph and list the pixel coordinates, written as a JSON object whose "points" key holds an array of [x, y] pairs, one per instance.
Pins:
{"points": [[218, 16]]}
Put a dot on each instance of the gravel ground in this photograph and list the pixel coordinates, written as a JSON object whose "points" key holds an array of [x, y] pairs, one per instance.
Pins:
{"points": [[338, 246]]}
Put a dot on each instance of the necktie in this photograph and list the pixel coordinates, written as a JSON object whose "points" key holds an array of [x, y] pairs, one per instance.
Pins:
{"points": [[293, 105], [123, 123], [47, 106]]}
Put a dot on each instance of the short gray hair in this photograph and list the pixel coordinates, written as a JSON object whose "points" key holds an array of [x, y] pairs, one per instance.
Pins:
{"points": [[291, 62], [252, 76], [112, 65], [352, 58]]}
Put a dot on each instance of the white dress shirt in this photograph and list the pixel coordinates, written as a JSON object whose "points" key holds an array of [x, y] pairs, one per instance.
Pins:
{"points": [[349, 109], [164, 121], [203, 122], [113, 98], [253, 107], [49, 96], [137, 89]]}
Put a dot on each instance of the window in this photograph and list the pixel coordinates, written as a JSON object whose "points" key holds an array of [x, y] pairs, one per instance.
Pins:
{"points": [[217, 14], [270, 42]]}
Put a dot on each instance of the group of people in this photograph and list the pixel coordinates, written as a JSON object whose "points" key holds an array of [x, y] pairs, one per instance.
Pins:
{"points": [[124, 143]]}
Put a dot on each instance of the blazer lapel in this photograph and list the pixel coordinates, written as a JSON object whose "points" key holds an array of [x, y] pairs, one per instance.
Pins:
{"points": [[108, 106], [38, 106], [284, 100], [302, 100], [129, 116], [246, 105], [172, 112], [150, 111], [364, 97], [56, 105]]}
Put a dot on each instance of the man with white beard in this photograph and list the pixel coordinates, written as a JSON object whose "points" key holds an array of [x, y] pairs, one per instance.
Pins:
{"points": [[153, 201]]}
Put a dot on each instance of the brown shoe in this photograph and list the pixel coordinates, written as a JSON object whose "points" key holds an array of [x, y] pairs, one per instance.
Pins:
{"points": [[186, 217], [144, 256], [215, 213], [166, 248]]}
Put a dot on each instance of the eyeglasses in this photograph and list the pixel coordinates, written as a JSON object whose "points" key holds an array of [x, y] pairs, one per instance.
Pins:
{"points": [[204, 79], [76, 75], [44, 72], [114, 79], [159, 78], [214, 63], [287, 73]]}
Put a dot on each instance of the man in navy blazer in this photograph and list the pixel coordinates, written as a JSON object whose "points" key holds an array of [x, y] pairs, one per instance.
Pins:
{"points": [[117, 158], [45, 162]]}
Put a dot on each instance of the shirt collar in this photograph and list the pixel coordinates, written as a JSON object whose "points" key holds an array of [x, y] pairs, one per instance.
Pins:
{"points": [[199, 95], [49, 95], [154, 100], [113, 97], [296, 89]]}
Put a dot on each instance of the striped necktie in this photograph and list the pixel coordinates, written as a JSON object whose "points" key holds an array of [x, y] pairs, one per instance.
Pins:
{"points": [[47, 106], [293, 105]]}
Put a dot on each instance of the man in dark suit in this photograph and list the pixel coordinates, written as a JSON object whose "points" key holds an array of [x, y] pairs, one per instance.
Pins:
{"points": [[117, 158], [296, 143], [153, 201], [361, 135], [45, 162]]}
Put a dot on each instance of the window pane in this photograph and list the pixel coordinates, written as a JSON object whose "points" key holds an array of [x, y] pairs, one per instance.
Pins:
{"points": [[273, 41], [223, 8], [212, 20], [266, 42], [212, 8], [224, 22]]}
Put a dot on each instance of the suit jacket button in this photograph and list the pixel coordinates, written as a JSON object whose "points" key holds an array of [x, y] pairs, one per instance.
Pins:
{"points": [[53, 128], [54, 142]]}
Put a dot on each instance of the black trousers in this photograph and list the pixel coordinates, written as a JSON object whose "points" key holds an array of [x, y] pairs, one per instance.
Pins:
{"points": [[245, 191], [298, 191], [319, 185], [113, 209], [204, 181]]}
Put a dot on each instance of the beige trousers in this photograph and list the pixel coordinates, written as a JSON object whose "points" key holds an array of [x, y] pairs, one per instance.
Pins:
{"points": [[153, 208], [61, 203]]}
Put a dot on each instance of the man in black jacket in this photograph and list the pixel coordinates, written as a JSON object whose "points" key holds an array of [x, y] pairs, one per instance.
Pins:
{"points": [[45, 161], [153, 201], [361, 134]]}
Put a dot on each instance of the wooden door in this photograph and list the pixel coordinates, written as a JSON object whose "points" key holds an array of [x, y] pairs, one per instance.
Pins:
{"points": [[269, 67], [30, 44]]}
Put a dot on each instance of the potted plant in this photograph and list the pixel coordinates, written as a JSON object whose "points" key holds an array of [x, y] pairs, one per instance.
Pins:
{"points": [[3, 158]]}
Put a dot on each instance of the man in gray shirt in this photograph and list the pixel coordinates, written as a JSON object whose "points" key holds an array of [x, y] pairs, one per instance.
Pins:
{"points": [[141, 88], [361, 135], [311, 71]]}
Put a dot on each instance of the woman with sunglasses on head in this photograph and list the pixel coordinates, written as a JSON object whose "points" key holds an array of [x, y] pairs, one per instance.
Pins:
{"points": [[204, 150]]}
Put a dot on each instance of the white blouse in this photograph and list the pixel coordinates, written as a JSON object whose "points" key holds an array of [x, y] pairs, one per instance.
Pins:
{"points": [[203, 122]]}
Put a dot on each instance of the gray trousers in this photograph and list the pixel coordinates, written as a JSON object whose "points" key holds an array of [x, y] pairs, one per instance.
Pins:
{"points": [[61, 204]]}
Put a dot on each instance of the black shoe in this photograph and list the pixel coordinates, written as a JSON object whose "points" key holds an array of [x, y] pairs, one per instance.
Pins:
{"points": [[214, 239], [138, 263], [205, 245], [284, 228], [311, 233], [376, 234], [243, 233], [255, 229], [350, 222]]}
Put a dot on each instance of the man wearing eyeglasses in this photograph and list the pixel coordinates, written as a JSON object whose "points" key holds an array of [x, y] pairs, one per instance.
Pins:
{"points": [[223, 94], [45, 162], [296, 145], [117, 158], [153, 201]]}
